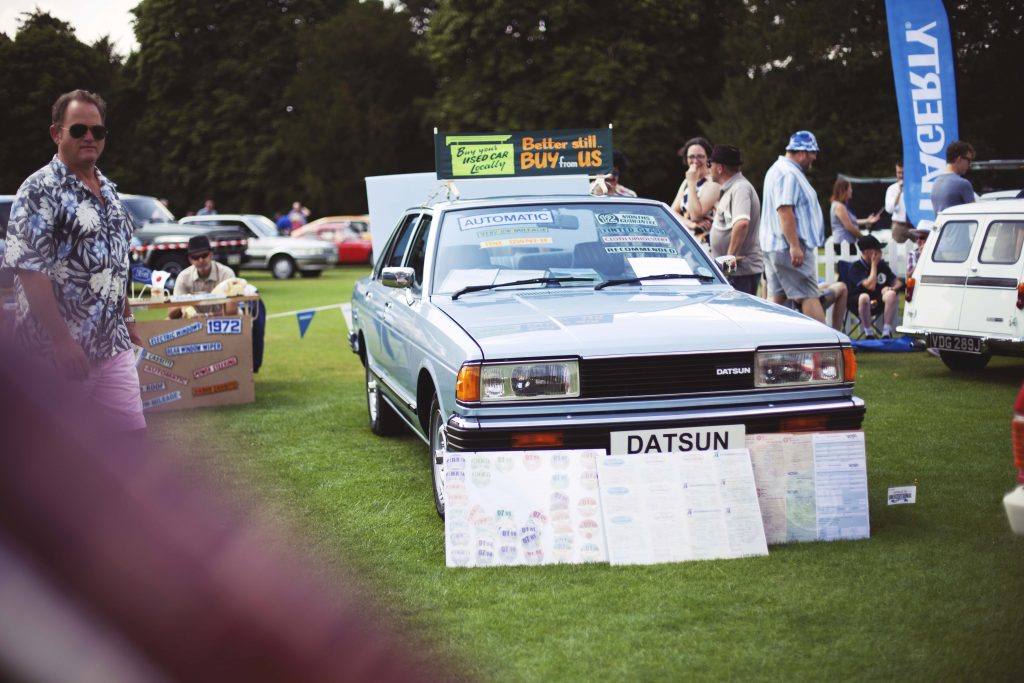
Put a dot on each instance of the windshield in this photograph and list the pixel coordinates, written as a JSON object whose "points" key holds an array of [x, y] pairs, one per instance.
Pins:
{"points": [[263, 226], [145, 210], [589, 242]]}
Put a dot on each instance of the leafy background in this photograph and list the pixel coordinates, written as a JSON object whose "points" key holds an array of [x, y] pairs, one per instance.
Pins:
{"points": [[259, 103]]}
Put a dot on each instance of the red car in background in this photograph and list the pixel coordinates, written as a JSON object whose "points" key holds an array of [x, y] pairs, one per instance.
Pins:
{"points": [[351, 234]]}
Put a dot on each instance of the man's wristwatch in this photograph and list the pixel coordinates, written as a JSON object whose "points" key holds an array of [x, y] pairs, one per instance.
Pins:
{"points": [[130, 318]]}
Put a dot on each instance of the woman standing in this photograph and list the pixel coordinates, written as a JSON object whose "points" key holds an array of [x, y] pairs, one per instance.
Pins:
{"points": [[695, 201], [845, 224]]}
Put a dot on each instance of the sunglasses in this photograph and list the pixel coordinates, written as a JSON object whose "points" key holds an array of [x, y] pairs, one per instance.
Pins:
{"points": [[198, 257], [78, 130]]}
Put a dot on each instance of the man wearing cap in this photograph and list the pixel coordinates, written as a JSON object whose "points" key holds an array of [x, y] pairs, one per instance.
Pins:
{"points": [[874, 284], [734, 231], [792, 227], [68, 243], [201, 277]]}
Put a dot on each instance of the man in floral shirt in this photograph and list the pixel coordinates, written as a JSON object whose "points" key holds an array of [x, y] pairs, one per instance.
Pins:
{"points": [[68, 242]]}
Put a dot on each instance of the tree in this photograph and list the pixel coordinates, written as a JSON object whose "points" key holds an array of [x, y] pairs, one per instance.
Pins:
{"points": [[647, 67], [357, 107], [821, 66], [211, 78], [44, 60]]}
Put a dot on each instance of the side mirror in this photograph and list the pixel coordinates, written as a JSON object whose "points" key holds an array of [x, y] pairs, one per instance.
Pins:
{"points": [[727, 264], [399, 278]]}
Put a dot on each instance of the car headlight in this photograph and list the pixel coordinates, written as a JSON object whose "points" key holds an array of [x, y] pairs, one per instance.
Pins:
{"points": [[799, 366], [519, 381]]}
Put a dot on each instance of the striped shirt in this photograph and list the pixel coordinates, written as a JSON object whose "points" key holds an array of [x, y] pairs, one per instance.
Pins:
{"points": [[785, 184]]}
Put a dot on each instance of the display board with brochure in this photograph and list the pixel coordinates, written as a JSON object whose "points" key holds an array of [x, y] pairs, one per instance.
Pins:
{"points": [[687, 494]]}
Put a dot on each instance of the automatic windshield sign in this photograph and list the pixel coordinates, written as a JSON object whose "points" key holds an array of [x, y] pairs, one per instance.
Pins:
{"points": [[529, 153]]}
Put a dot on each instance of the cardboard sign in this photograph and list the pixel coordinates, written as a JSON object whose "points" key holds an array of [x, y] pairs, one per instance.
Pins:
{"points": [[530, 153], [176, 376]]}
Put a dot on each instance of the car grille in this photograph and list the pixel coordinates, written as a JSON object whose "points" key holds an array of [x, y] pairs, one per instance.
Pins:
{"points": [[666, 375]]}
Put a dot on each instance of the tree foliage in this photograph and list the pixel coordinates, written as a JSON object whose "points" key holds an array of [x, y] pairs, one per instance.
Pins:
{"points": [[44, 60], [211, 78], [260, 102], [356, 107], [647, 67], [822, 66]]}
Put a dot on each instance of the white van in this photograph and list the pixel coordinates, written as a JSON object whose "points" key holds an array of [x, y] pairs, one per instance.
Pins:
{"points": [[966, 296]]}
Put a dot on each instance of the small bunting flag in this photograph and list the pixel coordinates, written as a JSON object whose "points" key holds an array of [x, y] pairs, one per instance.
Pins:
{"points": [[304, 317]]}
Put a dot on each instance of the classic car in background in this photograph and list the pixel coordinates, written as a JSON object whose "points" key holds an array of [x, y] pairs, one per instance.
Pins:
{"points": [[569, 322], [966, 296], [267, 250], [350, 236]]}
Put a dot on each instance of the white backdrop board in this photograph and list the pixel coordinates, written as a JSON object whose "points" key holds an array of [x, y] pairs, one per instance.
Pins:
{"points": [[388, 196], [522, 507], [677, 507]]}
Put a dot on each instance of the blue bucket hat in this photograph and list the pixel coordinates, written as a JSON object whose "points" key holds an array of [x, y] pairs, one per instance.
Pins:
{"points": [[802, 141]]}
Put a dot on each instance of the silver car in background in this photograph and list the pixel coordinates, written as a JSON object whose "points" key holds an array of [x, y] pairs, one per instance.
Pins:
{"points": [[268, 250]]}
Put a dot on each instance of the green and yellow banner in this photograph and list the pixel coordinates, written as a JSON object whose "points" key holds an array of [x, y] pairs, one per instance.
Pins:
{"points": [[525, 153]]}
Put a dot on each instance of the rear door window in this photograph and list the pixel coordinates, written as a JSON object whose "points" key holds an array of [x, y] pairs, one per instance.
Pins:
{"points": [[1003, 241], [955, 241]]}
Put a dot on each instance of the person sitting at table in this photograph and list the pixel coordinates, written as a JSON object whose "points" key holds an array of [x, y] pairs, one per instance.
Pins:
{"points": [[873, 285], [203, 276]]}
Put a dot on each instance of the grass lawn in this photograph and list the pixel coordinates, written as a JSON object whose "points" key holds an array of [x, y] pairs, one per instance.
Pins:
{"points": [[937, 593]]}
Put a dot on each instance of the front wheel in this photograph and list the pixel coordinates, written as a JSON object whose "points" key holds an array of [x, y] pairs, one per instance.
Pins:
{"points": [[965, 362], [438, 450], [383, 420], [282, 267]]}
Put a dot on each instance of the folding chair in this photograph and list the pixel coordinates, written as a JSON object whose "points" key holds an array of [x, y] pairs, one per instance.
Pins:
{"points": [[851, 318]]}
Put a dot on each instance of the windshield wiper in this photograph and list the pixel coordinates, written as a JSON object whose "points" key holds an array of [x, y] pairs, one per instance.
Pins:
{"points": [[662, 276], [532, 281]]}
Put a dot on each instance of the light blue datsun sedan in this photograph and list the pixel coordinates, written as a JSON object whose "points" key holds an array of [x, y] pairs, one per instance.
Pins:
{"points": [[580, 322]]}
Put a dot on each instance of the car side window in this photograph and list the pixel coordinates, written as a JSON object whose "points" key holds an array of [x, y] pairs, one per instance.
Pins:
{"points": [[400, 242], [418, 251], [955, 241], [1003, 241]]}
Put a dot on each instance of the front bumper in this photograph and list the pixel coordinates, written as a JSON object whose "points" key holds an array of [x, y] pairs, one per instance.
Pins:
{"points": [[594, 430], [318, 262]]}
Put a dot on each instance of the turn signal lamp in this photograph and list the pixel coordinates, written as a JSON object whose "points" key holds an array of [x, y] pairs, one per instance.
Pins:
{"points": [[467, 386], [1020, 296], [849, 364], [912, 282]]}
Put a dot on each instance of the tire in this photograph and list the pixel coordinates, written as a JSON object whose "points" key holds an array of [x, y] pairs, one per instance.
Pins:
{"points": [[172, 263], [282, 267], [383, 420], [311, 273], [965, 362], [438, 449]]}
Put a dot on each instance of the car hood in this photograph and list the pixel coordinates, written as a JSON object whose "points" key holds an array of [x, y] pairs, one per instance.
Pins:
{"points": [[607, 322]]}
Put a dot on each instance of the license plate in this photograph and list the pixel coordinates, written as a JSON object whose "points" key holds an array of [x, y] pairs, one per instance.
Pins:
{"points": [[234, 259], [954, 342], [678, 440]]}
